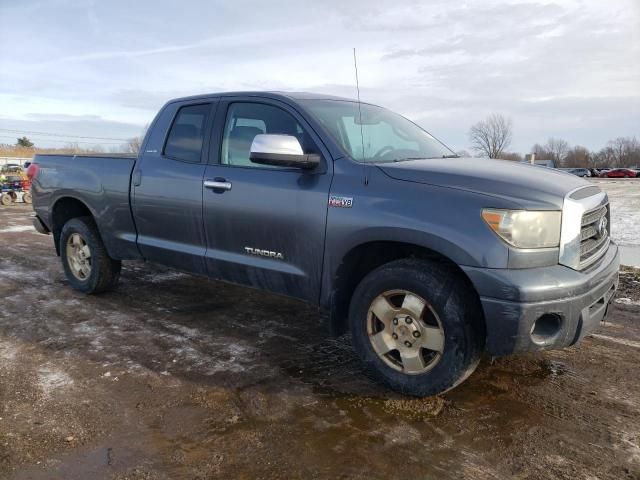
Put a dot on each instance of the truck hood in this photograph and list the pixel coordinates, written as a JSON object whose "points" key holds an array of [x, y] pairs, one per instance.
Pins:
{"points": [[530, 186]]}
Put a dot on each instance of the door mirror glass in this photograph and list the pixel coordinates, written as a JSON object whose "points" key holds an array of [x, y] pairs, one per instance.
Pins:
{"points": [[281, 151]]}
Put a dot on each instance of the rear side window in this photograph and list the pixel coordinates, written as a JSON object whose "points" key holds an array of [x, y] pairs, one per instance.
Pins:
{"points": [[187, 133]]}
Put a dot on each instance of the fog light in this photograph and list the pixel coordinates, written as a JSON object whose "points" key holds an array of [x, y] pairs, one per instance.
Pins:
{"points": [[546, 328]]}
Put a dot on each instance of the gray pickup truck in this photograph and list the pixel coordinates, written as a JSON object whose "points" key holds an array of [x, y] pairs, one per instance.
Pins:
{"points": [[427, 259]]}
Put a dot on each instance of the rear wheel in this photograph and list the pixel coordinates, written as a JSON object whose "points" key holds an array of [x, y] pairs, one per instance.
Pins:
{"points": [[87, 265], [412, 324], [5, 199], [26, 197]]}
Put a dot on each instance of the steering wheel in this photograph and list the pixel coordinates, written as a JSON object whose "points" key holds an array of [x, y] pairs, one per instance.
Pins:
{"points": [[384, 150]]}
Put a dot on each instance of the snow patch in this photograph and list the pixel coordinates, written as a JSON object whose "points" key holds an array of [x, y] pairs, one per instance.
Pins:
{"points": [[624, 198], [51, 379], [7, 352], [627, 301], [17, 228], [14, 272], [621, 341]]}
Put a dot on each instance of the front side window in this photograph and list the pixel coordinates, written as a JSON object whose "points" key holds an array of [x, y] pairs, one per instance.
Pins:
{"points": [[187, 133], [246, 120], [381, 135]]}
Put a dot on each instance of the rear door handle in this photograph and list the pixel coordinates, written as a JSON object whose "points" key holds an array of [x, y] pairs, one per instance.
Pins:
{"points": [[217, 184]]}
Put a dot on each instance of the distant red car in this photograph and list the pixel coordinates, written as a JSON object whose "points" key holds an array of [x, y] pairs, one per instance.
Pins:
{"points": [[620, 173]]}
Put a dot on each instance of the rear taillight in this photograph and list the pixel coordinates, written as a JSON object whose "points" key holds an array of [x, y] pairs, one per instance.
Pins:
{"points": [[32, 171]]}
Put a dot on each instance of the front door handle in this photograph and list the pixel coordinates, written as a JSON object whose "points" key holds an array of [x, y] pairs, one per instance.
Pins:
{"points": [[219, 184]]}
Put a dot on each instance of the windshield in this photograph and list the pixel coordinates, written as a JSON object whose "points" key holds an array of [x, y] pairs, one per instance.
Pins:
{"points": [[386, 136]]}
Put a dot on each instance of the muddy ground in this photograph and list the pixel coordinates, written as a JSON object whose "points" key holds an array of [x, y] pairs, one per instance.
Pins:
{"points": [[171, 376]]}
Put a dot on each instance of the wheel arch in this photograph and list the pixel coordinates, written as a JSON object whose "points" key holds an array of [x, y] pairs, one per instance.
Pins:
{"points": [[64, 209], [366, 257]]}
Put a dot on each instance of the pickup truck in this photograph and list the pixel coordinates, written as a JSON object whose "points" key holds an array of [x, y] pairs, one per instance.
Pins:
{"points": [[428, 260]]}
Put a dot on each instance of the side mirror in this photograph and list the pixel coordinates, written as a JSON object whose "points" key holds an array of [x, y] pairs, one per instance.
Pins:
{"points": [[281, 151]]}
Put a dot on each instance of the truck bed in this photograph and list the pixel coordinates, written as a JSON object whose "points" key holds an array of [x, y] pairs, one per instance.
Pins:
{"points": [[101, 183]]}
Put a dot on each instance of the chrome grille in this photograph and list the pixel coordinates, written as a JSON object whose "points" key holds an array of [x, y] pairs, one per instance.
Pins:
{"points": [[594, 235]]}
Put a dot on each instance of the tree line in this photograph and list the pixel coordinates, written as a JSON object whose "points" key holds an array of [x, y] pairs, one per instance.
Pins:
{"points": [[492, 136], [25, 147]]}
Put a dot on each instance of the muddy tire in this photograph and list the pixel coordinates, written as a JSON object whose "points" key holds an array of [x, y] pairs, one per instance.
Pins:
{"points": [[26, 197], [414, 325], [5, 199], [87, 265]]}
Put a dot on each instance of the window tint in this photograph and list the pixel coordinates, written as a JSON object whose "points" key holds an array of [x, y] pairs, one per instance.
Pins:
{"points": [[246, 120], [185, 138]]}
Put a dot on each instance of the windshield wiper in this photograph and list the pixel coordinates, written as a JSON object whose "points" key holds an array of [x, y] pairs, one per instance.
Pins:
{"points": [[403, 159], [424, 158]]}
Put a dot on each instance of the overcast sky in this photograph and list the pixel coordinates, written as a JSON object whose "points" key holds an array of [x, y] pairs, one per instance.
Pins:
{"points": [[569, 69]]}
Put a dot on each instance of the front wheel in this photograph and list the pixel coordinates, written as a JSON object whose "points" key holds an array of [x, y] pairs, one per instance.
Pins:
{"points": [[26, 197], [412, 324], [87, 265]]}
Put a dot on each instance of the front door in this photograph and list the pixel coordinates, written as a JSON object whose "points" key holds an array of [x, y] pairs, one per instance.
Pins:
{"points": [[265, 226], [167, 188]]}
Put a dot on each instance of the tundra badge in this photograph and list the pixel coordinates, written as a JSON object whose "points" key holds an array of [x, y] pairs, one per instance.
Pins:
{"points": [[264, 253]]}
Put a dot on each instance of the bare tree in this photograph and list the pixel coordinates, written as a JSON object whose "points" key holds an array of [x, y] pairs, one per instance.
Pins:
{"points": [[625, 151], [513, 156], [558, 149], [541, 152], [133, 145], [605, 158], [578, 157], [492, 135]]}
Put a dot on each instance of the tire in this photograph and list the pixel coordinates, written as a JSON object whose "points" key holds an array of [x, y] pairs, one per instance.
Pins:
{"points": [[26, 197], [449, 308], [5, 199], [102, 273]]}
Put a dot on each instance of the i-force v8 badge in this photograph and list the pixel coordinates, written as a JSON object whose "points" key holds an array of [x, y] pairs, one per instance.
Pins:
{"points": [[340, 202]]}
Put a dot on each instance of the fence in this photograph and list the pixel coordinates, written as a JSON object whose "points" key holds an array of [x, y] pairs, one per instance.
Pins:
{"points": [[18, 160]]}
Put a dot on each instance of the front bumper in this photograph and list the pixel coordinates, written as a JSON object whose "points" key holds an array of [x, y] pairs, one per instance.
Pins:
{"points": [[513, 300]]}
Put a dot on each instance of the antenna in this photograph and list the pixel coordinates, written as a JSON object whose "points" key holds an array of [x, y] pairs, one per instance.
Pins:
{"points": [[364, 163]]}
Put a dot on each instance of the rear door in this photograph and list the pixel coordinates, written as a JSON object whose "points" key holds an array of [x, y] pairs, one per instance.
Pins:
{"points": [[265, 226], [167, 187]]}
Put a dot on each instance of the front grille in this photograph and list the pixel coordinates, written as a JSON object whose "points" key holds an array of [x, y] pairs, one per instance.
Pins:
{"points": [[594, 235]]}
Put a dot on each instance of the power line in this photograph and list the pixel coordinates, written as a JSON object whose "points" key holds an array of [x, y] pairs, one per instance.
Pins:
{"points": [[45, 134], [71, 141]]}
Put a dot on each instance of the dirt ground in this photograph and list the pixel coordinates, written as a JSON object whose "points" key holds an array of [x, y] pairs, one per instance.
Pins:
{"points": [[171, 376]]}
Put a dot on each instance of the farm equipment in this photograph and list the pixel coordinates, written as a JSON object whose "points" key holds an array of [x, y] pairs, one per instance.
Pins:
{"points": [[14, 188]]}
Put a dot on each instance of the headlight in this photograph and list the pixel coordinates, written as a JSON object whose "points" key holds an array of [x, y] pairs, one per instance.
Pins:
{"points": [[525, 228]]}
